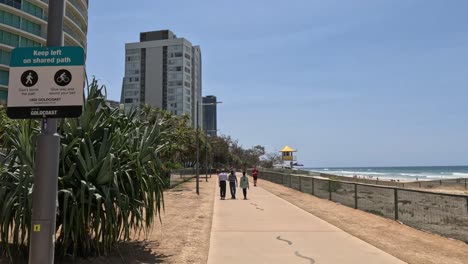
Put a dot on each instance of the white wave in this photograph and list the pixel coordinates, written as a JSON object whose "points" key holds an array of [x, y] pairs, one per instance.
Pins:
{"points": [[460, 174]]}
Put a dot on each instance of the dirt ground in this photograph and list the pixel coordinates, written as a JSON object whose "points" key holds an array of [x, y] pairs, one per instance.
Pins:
{"points": [[183, 236], [401, 241]]}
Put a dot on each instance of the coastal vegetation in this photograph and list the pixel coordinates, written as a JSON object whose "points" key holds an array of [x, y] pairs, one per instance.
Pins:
{"points": [[114, 167]]}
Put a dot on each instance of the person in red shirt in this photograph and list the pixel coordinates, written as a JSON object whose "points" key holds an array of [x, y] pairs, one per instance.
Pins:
{"points": [[255, 175]]}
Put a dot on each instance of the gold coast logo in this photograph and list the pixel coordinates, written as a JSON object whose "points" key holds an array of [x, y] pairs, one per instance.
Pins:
{"points": [[43, 112]]}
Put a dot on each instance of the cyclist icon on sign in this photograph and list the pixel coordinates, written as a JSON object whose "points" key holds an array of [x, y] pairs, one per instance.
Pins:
{"points": [[62, 77]]}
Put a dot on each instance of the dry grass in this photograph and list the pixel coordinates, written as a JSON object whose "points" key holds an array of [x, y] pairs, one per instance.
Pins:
{"points": [[182, 237]]}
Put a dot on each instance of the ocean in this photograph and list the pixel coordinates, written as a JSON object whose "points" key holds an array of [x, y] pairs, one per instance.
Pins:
{"points": [[403, 173]]}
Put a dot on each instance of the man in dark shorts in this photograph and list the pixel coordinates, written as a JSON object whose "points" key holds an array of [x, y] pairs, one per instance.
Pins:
{"points": [[255, 175], [222, 178]]}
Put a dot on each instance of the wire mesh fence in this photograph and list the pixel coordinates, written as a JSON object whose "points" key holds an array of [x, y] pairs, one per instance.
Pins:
{"points": [[379, 201], [439, 213], [296, 182], [344, 193], [458, 183], [321, 188], [180, 175]]}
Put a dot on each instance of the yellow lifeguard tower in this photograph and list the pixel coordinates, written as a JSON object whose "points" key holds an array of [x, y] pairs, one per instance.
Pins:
{"points": [[287, 156]]}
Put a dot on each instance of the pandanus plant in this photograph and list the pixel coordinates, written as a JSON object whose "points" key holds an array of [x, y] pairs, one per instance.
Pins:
{"points": [[110, 183]]}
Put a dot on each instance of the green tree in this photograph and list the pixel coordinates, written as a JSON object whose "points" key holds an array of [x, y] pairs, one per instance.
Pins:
{"points": [[110, 177]]}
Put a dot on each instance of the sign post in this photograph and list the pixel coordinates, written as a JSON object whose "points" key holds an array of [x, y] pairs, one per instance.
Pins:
{"points": [[46, 83]]}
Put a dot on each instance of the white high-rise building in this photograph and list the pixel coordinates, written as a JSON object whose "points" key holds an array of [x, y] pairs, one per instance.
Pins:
{"points": [[165, 72]]}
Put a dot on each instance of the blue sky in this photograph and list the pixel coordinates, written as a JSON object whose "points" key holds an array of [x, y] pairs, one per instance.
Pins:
{"points": [[347, 83]]}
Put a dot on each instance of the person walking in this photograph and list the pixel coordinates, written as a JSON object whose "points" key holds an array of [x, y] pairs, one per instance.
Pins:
{"points": [[222, 178], [233, 184], [255, 175], [244, 184]]}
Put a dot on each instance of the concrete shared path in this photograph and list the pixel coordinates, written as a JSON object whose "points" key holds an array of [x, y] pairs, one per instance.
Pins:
{"points": [[268, 229]]}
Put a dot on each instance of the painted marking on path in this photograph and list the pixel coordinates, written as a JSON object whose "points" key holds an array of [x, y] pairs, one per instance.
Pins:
{"points": [[287, 241], [312, 261]]}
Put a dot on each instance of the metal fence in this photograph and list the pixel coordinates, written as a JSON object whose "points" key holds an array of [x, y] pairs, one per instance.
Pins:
{"points": [[439, 213], [459, 183], [181, 175]]}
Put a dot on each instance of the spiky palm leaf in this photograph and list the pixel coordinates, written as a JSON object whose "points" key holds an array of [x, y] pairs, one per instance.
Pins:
{"points": [[110, 183]]}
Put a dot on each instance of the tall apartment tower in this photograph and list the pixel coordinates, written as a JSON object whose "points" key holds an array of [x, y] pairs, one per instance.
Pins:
{"points": [[165, 72], [210, 120], [23, 23]]}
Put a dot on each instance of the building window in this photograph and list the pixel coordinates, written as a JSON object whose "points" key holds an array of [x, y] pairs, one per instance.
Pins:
{"points": [[174, 76], [133, 51], [175, 68], [174, 61], [32, 9], [187, 84], [9, 38], [24, 42], [133, 58], [5, 57], [174, 83], [176, 54], [4, 77], [10, 19]]}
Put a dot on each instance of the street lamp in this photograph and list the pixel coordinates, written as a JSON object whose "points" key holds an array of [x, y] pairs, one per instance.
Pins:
{"points": [[206, 152], [198, 143]]}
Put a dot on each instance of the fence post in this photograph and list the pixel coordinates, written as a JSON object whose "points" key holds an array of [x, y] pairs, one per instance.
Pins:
{"points": [[395, 194], [300, 183], [313, 187], [329, 190], [467, 205], [465, 183], [355, 196], [290, 181]]}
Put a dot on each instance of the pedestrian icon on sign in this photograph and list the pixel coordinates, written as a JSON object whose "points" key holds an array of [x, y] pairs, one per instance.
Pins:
{"points": [[62, 77], [29, 78]]}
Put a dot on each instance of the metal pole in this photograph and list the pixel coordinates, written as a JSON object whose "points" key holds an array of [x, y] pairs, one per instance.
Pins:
{"points": [[395, 195], [206, 155], [313, 186], [42, 240], [355, 196], [198, 154]]}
